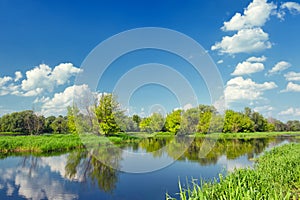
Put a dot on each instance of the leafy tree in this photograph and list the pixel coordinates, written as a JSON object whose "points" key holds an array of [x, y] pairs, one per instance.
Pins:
{"points": [[173, 121], [145, 125], [237, 122], [137, 119], [48, 121], [60, 125], [106, 113], [153, 123], [72, 115], [260, 123], [204, 122], [190, 120], [293, 125]]}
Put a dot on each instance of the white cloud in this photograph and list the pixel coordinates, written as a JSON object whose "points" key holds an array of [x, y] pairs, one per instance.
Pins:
{"points": [[293, 7], [246, 89], [292, 76], [4, 80], [247, 68], [18, 76], [292, 87], [59, 103], [257, 59], [291, 111], [220, 61], [279, 67], [255, 15], [43, 78], [244, 41], [262, 109]]}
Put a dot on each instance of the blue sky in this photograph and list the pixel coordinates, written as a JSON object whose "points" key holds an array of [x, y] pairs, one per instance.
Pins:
{"points": [[255, 45]]}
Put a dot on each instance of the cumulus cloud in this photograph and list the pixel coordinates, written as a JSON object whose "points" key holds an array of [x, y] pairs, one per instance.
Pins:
{"points": [[292, 76], [239, 88], [244, 41], [4, 80], [291, 112], [257, 59], [247, 68], [262, 109], [58, 104], [279, 67], [255, 15], [18, 76], [43, 78], [293, 7], [292, 87], [6, 87]]}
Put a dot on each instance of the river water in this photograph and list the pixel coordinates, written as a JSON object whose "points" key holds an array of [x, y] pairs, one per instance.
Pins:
{"points": [[81, 175]]}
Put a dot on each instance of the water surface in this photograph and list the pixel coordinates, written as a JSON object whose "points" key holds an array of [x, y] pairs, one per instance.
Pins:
{"points": [[79, 175]]}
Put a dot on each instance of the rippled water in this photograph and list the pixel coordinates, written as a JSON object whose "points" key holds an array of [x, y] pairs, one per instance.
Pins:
{"points": [[79, 175]]}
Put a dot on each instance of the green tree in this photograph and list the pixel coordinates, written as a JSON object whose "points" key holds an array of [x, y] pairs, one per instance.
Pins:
{"points": [[72, 115], [190, 120], [173, 121], [237, 122], [106, 113], [59, 125], [260, 123], [154, 123], [145, 125], [204, 122]]}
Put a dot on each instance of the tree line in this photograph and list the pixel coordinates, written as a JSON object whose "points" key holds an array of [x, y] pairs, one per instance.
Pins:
{"points": [[106, 117]]}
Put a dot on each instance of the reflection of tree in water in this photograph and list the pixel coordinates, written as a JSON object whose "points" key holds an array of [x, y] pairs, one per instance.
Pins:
{"points": [[231, 148], [100, 165]]}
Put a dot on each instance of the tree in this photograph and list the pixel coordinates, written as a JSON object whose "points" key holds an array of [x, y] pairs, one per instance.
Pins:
{"points": [[173, 121], [260, 123], [190, 120], [237, 122], [293, 125], [59, 125], [137, 119], [145, 125], [204, 122], [48, 121], [106, 113], [72, 116], [154, 123]]}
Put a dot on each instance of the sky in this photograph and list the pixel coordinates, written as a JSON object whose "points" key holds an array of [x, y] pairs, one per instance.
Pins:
{"points": [[254, 44]]}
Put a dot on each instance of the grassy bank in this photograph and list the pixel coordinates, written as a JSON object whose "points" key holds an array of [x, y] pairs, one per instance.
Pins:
{"points": [[40, 143], [58, 142], [276, 175]]}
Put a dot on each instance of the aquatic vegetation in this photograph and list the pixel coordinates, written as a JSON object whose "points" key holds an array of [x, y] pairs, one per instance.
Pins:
{"points": [[276, 175]]}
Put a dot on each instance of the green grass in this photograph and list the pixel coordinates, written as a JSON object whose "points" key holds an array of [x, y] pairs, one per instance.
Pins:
{"points": [[40, 143], [276, 175]]}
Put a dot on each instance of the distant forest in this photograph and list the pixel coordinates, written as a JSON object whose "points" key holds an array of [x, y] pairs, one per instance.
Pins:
{"points": [[107, 118]]}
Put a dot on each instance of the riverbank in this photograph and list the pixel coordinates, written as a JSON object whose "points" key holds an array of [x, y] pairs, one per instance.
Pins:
{"points": [[276, 175], [66, 142]]}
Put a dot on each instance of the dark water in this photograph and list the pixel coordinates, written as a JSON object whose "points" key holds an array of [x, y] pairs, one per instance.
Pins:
{"points": [[80, 175]]}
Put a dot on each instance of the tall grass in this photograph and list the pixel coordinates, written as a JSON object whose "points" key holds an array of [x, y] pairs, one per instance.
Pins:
{"points": [[40, 143], [276, 175]]}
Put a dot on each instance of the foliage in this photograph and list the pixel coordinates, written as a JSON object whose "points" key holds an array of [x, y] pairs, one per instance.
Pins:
{"points": [[106, 113], [173, 121], [275, 176], [59, 125], [204, 122], [153, 123], [237, 122]]}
